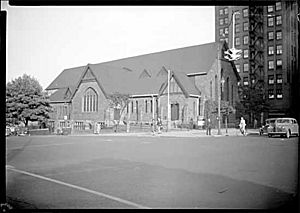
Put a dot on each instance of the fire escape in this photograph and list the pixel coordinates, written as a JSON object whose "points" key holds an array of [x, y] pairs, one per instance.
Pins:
{"points": [[256, 45], [256, 55]]}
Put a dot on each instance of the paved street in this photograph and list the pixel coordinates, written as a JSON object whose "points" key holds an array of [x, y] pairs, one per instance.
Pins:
{"points": [[151, 171]]}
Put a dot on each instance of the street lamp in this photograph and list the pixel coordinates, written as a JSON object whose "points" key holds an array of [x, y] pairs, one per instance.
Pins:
{"points": [[230, 55]]}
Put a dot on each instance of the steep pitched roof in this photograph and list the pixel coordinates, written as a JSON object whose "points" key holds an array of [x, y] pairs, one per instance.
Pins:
{"points": [[198, 58], [61, 95], [66, 78], [185, 84], [123, 75]]}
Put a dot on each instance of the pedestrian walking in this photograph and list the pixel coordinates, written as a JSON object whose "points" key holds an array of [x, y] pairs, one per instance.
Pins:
{"points": [[242, 126], [159, 124], [208, 127]]}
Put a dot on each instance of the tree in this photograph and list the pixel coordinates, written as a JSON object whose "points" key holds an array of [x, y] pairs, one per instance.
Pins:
{"points": [[253, 102], [25, 101], [211, 107], [119, 102]]}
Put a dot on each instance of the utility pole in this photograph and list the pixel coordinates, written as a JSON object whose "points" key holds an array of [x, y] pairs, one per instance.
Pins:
{"points": [[169, 110], [219, 90], [231, 55]]}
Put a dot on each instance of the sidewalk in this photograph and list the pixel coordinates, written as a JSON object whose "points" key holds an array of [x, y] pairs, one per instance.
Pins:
{"points": [[179, 133]]}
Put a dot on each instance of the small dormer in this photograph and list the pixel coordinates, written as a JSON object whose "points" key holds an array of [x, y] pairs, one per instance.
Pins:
{"points": [[144, 74]]}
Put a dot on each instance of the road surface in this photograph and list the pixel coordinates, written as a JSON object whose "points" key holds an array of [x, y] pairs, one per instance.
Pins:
{"points": [[47, 172]]}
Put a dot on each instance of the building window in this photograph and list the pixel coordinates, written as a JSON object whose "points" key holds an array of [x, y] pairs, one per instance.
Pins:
{"points": [[216, 87], [270, 65], [270, 35], [271, 93], [151, 106], [237, 16], [221, 21], [221, 32], [137, 107], [231, 94], [146, 106], [270, 22], [90, 101], [226, 31], [221, 12], [238, 67], [246, 39], [278, 63], [246, 67], [245, 13], [270, 8], [237, 28], [278, 6], [278, 35], [131, 106], [227, 89], [175, 112], [279, 49], [245, 81], [237, 41], [210, 89], [245, 53], [279, 93], [226, 11], [246, 26], [226, 20], [279, 78], [270, 50], [278, 20], [271, 79], [194, 109]]}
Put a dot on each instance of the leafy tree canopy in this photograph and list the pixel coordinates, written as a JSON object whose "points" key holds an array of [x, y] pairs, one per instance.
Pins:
{"points": [[211, 107], [25, 101], [252, 102]]}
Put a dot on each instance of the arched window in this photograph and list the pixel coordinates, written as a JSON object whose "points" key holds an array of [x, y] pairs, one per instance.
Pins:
{"points": [[90, 101], [227, 89]]}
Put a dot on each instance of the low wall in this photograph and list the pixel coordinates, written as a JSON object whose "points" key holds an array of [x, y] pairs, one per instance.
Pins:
{"points": [[39, 131]]}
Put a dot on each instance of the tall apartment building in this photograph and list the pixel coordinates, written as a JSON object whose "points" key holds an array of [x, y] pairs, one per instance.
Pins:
{"points": [[268, 38]]}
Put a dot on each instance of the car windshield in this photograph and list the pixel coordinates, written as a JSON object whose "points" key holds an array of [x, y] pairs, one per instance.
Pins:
{"points": [[270, 121], [286, 121]]}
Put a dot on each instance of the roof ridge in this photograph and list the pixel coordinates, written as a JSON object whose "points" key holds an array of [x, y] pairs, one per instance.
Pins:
{"points": [[142, 55]]}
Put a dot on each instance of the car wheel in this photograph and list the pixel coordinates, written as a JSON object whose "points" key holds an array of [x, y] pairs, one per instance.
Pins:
{"points": [[269, 135], [288, 134]]}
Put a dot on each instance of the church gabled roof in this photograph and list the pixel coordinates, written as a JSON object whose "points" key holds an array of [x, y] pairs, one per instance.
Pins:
{"points": [[123, 75]]}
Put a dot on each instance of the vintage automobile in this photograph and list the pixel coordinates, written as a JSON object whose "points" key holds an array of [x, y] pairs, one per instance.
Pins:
{"points": [[283, 127], [264, 128]]}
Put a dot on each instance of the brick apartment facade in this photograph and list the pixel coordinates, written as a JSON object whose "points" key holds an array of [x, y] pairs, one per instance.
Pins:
{"points": [[270, 32], [79, 95]]}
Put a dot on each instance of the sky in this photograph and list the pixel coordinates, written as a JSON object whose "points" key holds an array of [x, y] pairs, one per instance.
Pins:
{"points": [[43, 41]]}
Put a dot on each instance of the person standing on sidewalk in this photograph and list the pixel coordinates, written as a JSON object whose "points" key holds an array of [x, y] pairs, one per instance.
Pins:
{"points": [[208, 127], [152, 126], [255, 123]]}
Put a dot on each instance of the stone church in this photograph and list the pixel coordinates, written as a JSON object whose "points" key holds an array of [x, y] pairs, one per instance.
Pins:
{"points": [[79, 95]]}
